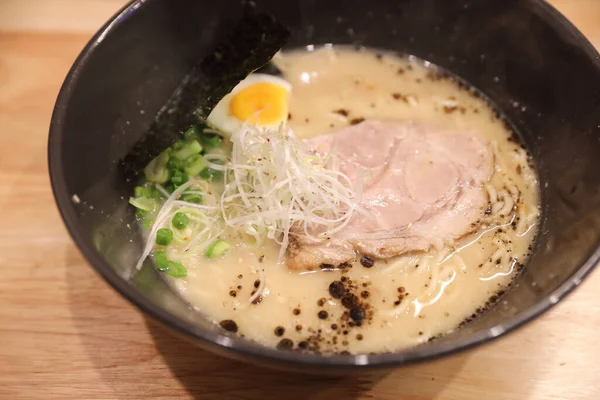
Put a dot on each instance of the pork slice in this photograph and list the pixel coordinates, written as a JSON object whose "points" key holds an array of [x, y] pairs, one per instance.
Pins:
{"points": [[422, 187]]}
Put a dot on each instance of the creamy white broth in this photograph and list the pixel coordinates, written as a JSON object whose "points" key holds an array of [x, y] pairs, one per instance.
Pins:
{"points": [[411, 298]]}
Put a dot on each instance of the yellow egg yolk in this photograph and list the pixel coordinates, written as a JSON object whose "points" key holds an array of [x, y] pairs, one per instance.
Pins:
{"points": [[260, 104]]}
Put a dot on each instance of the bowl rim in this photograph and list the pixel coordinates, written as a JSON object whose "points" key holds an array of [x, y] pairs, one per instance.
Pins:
{"points": [[243, 348]]}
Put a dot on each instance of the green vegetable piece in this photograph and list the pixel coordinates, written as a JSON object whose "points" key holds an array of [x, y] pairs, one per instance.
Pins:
{"points": [[156, 171], [192, 134], [142, 203], [148, 191], [142, 191], [179, 178], [192, 198], [140, 213], [160, 260], [194, 165], [176, 270], [210, 140], [211, 174], [180, 220], [164, 236], [217, 248], [175, 164], [186, 149]]}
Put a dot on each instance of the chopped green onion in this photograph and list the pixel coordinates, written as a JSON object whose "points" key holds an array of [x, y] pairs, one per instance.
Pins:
{"points": [[186, 149], [140, 213], [179, 178], [176, 270], [142, 191], [172, 268], [194, 165], [148, 191], [192, 198], [209, 173], [142, 203], [217, 248], [210, 140], [175, 164], [156, 170], [164, 236], [161, 260], [180, 220], [193, 133]]}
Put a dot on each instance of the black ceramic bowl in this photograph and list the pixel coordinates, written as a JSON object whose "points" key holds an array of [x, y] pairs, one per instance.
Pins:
{"points": [[528, 59]]}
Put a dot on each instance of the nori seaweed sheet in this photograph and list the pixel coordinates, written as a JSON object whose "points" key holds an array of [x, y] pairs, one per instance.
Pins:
{"points": [[251, 45]]}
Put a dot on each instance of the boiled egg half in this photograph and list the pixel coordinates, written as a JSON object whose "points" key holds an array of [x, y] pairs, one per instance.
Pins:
{"points": [[259, 100]]}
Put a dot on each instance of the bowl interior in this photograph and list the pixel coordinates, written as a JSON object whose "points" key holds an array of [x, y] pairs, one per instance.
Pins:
{"points": [[533, 65]]}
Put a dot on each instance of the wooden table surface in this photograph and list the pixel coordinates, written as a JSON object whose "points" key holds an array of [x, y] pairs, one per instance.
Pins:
{"points": [[64, 333]]}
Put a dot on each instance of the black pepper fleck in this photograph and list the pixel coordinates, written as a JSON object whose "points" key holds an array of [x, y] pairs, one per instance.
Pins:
{"points": [[349, 300], [323, 314], [285, 344], [336, 289], [229, 325], [367, 262], [279, 331], [357, 314]]}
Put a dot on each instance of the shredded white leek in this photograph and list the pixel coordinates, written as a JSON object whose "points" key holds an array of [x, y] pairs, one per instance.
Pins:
{"points": [[209, 159], [274, 188]]}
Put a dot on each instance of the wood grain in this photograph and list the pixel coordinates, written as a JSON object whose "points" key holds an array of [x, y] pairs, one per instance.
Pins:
{"points": [[64, 334]]}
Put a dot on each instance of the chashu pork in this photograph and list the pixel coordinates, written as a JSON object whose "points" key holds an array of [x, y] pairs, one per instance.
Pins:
{"points": [[422, 188]]}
